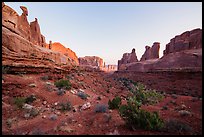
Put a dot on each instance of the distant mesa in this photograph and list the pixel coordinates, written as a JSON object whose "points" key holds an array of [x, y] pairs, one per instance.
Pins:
{"points": [[183, 53]]}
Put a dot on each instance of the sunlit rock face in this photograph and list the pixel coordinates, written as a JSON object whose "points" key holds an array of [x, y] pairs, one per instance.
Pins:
{"points": [[24, 45], [58, 47], [151, 52], [127, 58]]}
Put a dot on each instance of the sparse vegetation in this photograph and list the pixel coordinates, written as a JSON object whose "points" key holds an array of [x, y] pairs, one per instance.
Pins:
{"points": [[19, 101], [82, 95], [138, 118], [173, 126], [67, 106], [100, 108], [115, 103], [45, 78], [63, 84], [5, 69]]}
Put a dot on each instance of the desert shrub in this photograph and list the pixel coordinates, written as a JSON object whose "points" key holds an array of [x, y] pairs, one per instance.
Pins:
{"points": [[67, 106], [45, 78], [19, 101], [30, 99], [173, 126], [138, 118], [34, 112], [146, 96], [60, 91], [100, 108], [115, 103], [82, 95], [63, 84], [5, 69]]}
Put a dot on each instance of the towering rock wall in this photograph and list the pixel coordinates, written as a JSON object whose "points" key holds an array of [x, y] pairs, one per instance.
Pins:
{"points": [[187, 40], [151, 52], [184, 52], [127, 58], [93, 61], [24, 46], [20, 25]]}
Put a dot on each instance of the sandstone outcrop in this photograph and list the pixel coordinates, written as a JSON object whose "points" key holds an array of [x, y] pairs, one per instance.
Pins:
{"points": [[127, 58], [183, 53], [23, 45], [71, 55], [185, 41], [92, 61], [151, 52]]}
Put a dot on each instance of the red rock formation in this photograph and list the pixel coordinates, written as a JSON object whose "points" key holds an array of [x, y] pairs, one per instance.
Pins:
{"points": [[183, 53], [36, 36], [19, 50], [93, 61], [151, 53], [185, 41], [128, 58], [56, 46]]}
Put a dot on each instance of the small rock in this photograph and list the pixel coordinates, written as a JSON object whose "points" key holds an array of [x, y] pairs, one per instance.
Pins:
{"points": [[183, 107], [27, 107], [53, 117], [86, 106], [48, 106], [184, 113], [66, 129], [2, 81], [174, 96], [44, 102], [27, 115], [32, 85], [79, 125], [49, 83], [58, 113], [55, 103], [44, 116], [115, 132], [110, 111]]}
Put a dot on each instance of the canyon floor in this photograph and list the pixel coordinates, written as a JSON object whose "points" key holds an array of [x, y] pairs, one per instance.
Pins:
{"points": [[182, 89]]}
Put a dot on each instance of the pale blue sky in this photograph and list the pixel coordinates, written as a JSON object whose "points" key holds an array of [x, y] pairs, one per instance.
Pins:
{"points": [[109, 29]]}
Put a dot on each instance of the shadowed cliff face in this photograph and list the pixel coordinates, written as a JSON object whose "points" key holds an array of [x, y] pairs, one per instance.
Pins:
{"points": [[186, 41], [184, 52]]}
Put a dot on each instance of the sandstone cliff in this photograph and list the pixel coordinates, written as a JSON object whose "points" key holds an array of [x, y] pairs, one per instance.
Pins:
{"points": [[187, 40], [127, 58], [183, 53], [71, 55], [92, 61], [151, 52], [23, 45]]}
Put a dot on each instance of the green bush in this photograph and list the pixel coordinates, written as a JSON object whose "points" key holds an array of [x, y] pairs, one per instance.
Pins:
{"points": [[19, 101], [66, 106], [115, 103], [63, 84], [138, 118]]}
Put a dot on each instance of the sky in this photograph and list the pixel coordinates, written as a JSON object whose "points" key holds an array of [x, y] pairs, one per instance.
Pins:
{"points": [[109, 29]]}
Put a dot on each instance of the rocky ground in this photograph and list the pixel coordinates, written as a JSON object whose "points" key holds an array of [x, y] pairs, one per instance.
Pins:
{"points": [[44, 115]]}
